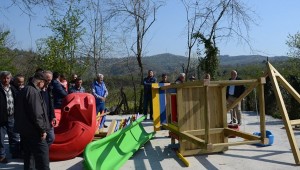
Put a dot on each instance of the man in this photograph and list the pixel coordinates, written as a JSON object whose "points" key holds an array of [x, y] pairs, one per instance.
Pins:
{"points": [[164, 78], [7, 121], [32, 123], [58, 91], [19, 81], [180, 78], [77, 88], [147, 93], [72, 82], [233, 92], [192, 78], [48, 98], [100, 92]]}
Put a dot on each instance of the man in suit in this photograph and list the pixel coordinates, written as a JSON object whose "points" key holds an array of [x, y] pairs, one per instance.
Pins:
{"points": [[234, 92]]}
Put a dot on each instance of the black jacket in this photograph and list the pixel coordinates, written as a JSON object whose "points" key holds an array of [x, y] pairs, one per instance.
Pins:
{"points": [[238, 90], [3, 103], [59, 93], [31, 118]]}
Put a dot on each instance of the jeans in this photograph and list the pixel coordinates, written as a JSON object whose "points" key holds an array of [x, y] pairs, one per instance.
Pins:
{"points": [[36, 153], [99, 108], [148, 100], [50, 136], [14, 138]]}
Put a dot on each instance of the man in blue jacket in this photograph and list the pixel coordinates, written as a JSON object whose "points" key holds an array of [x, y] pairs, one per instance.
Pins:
{"points": [[58, 91], [100, 92]]}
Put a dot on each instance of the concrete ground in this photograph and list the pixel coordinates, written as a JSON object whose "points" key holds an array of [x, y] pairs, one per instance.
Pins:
{"points": [[157, 154]]}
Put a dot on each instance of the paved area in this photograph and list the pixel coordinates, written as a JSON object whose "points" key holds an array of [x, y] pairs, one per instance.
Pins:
{"points": [[157, 154]]}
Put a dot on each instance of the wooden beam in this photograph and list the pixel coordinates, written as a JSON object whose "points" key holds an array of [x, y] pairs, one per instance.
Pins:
{"points": [[111, 127], [284, 114], [289, 88], [202, 131], [244, 135], [262, 116], [206, 115], [193, 139], [234, 82], [295, 122], [239, 99], [246, 142]]}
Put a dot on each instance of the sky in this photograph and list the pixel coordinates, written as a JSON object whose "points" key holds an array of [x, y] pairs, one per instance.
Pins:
{"points": [[275, 20]]}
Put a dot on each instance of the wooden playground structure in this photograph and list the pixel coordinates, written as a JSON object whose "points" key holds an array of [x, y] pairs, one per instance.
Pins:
{"points": [[195, 113]]}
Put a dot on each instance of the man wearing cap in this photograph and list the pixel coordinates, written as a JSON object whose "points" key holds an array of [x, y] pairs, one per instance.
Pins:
{"points": [[31, 121]]}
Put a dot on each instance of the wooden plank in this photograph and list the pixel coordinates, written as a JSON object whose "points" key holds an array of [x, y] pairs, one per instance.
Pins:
{"points": [[202, 131], [111, 127], [261, 99], [239, 99], [193, 139], [284, 114], [248, 136], [289, 88], [246, 142], [295, 122], [203, 151], [206, 115], [224, 111], [234, 82], [156, 106]]}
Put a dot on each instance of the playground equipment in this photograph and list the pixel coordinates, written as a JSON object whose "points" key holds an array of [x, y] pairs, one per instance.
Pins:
{"points": [[196, 113], [114, 150], [76, 127]]}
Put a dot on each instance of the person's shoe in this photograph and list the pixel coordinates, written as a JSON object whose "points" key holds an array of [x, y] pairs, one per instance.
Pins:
{"points": [[3, 160], [105, 126]]}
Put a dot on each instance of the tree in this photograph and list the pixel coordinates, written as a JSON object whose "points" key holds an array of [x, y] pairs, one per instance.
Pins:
{"points": [[213, 21], [6, 55], [60, 52], [137, 16], [98, 36], [191, 8]]}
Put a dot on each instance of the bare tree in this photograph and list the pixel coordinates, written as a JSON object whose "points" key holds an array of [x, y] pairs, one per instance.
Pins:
{"points": [[98, 36], [191, 8], [213, 21], [137, 16]]}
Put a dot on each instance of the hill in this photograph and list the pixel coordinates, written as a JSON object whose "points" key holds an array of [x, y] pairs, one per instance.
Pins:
{"points": [[170, 63]]}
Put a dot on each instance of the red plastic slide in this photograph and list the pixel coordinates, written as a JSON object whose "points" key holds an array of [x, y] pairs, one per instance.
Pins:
{"points": [[76, 126]]}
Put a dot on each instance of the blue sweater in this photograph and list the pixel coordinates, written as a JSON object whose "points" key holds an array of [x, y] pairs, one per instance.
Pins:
{"points": [[99, 90]]}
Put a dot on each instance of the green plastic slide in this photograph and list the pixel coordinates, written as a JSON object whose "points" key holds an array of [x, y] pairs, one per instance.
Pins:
{"points": [[114, 150]]}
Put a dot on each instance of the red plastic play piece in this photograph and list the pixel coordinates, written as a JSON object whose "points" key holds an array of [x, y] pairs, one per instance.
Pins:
{"points": [[76, 126]]}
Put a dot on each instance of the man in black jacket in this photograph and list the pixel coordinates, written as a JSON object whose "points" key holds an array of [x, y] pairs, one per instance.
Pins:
{"points": [[233, 92], [32, 123], [7, 122]]}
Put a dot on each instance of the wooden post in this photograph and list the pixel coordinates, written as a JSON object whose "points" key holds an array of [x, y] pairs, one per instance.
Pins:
{"points": [[262, 115], [285, 116]]}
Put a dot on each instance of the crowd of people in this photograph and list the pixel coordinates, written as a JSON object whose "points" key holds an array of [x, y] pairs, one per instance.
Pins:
{"points": [[27, 112], [27, 109]]}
